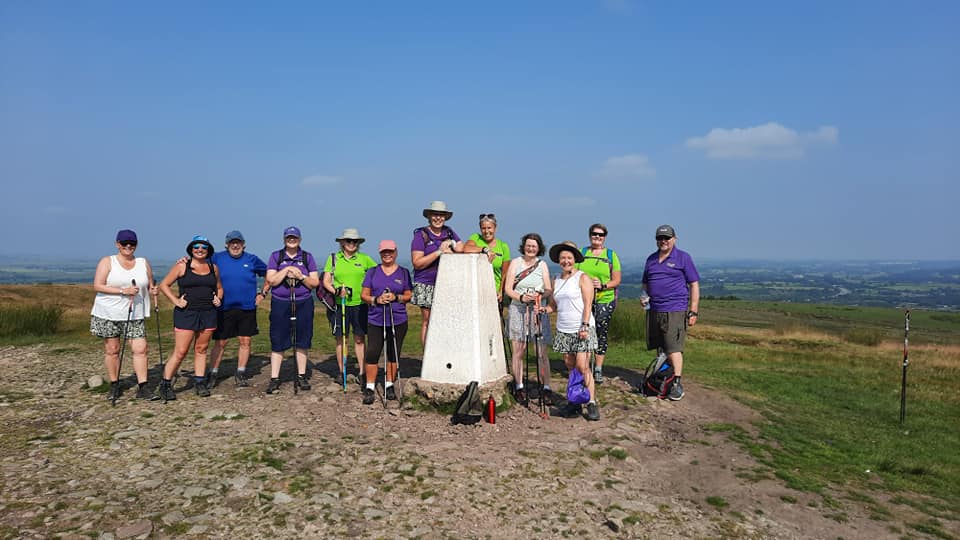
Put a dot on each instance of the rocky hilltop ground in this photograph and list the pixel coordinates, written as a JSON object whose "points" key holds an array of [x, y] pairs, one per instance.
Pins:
{"points": [[243, 464]]}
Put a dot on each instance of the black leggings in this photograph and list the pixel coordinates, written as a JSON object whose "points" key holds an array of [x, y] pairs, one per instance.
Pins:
{"points": [[375, 342]]}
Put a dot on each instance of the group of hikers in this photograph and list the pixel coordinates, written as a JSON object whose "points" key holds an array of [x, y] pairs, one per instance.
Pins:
{"points": [[219, 292]]}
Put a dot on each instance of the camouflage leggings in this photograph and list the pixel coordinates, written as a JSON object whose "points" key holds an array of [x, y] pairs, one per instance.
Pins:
{"points": [[603, 313]]}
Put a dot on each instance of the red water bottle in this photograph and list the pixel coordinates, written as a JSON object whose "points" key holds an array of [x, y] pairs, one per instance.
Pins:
{"points": [[491, 410]]}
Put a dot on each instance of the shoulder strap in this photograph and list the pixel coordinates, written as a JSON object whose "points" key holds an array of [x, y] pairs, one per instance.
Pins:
{"points": [[527, 271]]}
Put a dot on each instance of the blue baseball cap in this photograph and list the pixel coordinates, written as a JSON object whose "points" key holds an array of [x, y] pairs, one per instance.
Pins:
{"points": [[291, 231], [126, 235], [235, 235]]}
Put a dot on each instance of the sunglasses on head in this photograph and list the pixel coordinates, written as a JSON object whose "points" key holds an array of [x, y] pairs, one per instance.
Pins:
{"points": [[601, 234], [663, 238], [488, 216], [199, 246], [128, 243]]}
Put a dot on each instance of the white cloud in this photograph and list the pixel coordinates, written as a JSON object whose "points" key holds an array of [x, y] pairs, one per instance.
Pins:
{"points": [[628, 166], [321, 180], [769, 141]]}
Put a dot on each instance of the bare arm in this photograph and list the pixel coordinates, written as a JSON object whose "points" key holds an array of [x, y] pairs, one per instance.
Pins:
{"points": [[508, 281], [176, 271], [586, 292], [421, 261], [100, 278], [694, 301], [614, 279]]}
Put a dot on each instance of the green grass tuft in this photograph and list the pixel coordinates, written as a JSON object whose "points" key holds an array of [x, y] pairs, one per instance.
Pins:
{"points": [[18, 321]]}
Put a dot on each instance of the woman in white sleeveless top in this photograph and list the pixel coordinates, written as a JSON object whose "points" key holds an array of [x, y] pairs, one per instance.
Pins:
{"points": [[122, 281], [528, 277], [572, 300]]}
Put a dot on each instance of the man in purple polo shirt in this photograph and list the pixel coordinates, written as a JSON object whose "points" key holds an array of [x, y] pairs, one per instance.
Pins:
{"points": [[672, 281]]}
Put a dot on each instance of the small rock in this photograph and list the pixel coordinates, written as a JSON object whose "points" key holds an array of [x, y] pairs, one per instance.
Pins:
{"points": [[94, 381], [137, 528], [282, 498], [173, 517]]}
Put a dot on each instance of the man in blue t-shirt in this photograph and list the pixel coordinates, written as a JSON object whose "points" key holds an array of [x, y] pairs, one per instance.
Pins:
{"points": [[672, 281], [237, 315]]}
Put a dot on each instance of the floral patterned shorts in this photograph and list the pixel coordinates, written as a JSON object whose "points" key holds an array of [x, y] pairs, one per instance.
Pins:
{"points": [[104, 328], [422, 295], [565, 343]]}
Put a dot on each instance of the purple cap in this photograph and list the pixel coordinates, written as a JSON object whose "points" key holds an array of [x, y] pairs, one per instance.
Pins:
{"points": [[291, 231], [126, 235]]}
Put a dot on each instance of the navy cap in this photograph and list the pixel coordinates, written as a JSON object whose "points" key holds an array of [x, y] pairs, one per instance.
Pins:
{"points": [[235, 235]]}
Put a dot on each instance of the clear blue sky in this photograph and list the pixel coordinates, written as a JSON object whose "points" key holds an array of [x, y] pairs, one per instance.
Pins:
{"points": [[758, 129]]}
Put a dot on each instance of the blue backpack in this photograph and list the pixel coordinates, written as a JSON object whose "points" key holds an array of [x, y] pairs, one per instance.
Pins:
{"points": [[577, 391]]}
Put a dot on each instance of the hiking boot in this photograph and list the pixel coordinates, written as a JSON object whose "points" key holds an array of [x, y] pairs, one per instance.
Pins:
{"points": [[165, 391], [274, 386], [302, 382], [522, 397], [368, 396], [242, 380], [676, 391], [593, 412], [548, 398], [146, 395], [570, 410], [200, 388], [597, 376], [391, 394], [338, 379], [115, 391], [212, 380]]}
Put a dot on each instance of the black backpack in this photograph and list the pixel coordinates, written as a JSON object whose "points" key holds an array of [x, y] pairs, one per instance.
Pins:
{"points": [[657, 378], [469, 407]]}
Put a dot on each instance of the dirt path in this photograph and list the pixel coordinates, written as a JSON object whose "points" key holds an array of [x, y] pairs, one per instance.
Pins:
{"points": [[242, 464]]}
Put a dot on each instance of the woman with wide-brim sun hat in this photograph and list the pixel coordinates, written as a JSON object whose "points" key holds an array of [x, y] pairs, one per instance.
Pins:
{"points": [[602, 265], [343, 275], [120, 308], [194, 313], [576, 336], [527, 283], [428, 244]]}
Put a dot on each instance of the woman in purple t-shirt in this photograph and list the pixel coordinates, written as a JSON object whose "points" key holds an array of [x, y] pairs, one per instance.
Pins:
{"points": [[428, 244], [387, 289]]}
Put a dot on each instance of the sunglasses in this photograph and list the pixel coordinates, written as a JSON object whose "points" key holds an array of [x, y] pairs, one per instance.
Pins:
{"points": [[663, 238], [128, 243], [349, 241], [598, 233], [199, 246], [488, 216]]}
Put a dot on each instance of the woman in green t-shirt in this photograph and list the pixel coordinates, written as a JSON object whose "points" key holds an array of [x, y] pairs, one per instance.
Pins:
{"points": [[601, 265], [497, 251]]}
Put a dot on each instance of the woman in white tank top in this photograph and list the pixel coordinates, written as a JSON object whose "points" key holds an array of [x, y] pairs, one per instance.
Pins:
{"points": [[572, 301], [122, 283], [526, 278]]}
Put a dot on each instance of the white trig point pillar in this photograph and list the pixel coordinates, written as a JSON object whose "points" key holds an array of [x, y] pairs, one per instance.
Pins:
{"points": [[464, 339]]}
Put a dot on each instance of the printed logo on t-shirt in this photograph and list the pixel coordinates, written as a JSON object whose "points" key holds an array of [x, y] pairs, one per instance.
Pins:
{"points": [[672, 265]]}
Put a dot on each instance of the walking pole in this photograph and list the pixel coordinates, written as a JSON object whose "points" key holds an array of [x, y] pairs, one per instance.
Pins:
{"points": [[156, 315], [906, 361], [291, 284], [396, 353], [527, 330], [343, 339], [115, 393], [386, 357], [536, 351]]}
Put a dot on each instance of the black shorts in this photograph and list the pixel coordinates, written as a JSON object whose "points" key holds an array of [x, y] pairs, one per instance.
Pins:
{"points": [[356, 319], [195, 320], [236, 322]]}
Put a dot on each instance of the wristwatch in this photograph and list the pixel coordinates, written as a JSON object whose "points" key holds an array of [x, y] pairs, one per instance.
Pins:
{"points": [[692, 313], [485, 250]]}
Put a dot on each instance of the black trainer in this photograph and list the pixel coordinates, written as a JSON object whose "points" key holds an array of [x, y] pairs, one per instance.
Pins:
{"points": [[368, 396], [522, 397], [338, 379], [593, 411], [391, 394], [146, 395], [115, 391], [165, 391], [212, 380], [200, 387], [597, 375], [242, 380], [548, 398], [303, 382], [274, 386], [676, 391]]}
